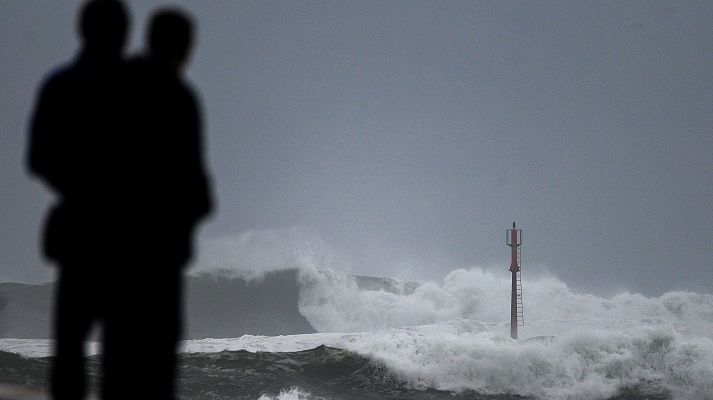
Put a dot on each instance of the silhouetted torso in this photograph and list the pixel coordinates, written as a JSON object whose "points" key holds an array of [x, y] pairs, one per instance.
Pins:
{"points": [[73, 134], [169, 179], [120, 144]]}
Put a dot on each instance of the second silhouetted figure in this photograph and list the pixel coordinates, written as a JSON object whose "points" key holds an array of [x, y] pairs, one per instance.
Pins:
{"points": [[166, 195]]}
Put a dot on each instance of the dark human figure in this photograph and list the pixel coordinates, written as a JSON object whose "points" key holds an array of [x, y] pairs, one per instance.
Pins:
{"points": [[168, 194], [119, 143], [76, 114]]}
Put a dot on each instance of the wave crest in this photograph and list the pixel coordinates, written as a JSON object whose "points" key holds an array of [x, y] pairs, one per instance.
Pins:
{"points": [[334, 302]]}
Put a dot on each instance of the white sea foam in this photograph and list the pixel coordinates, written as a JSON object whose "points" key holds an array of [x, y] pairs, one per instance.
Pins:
{"points": [[39, 347], [334, 303], [291, 394], [454, 336], [577, 364], [462, 355]]}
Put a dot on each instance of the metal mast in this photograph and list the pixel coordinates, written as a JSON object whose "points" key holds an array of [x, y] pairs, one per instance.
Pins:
{"points": [[513, 238]]}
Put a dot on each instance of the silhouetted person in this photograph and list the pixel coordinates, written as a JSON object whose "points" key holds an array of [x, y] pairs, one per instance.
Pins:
{"points": [[75, 115], [167, 195], [120, 145]]}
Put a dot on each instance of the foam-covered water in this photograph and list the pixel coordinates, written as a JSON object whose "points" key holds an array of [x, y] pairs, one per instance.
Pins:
{"points": [[405, 341], [461, 356], [459, 341], [289, 394], [335, 303]]}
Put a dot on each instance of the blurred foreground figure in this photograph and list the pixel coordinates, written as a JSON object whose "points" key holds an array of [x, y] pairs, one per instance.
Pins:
{"points": [[120, 145]]}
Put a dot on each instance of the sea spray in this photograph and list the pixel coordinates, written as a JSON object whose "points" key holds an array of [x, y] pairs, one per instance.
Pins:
{"points": [[334, 302], [291, 394], [601, 344], [450, 338]]}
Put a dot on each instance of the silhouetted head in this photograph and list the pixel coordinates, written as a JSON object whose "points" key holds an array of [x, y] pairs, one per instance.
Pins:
{"points": [[170, 37], [103, 25]]}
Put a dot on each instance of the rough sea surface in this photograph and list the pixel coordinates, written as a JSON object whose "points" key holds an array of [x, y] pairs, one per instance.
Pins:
{"points": [[386, 339]]}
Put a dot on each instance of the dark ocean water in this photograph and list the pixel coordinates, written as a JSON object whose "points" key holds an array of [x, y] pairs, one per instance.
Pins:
{"points": [[319, 373], [388, 339]]}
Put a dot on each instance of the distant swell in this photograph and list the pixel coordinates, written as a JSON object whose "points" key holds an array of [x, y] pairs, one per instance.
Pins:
{"points": [[218, 304]]}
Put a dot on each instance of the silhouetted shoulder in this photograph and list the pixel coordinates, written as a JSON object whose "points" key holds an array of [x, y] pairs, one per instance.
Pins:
{"points": [[167, 124], [56, 78], [67, 120], [48, 116], [161, 96]]}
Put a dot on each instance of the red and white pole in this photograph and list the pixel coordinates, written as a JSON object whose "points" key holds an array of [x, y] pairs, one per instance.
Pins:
{"points": [[513, 240]]}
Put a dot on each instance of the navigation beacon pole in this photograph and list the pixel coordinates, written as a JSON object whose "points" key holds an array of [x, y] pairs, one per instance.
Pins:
{"points": [[513, 238]]}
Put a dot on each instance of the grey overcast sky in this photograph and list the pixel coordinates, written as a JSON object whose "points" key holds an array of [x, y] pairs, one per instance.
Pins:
{"points": [[406, 136]]}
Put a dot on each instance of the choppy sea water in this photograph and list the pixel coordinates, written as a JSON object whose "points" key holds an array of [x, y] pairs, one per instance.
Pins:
{"points": [[447, 340], [319, 373]]}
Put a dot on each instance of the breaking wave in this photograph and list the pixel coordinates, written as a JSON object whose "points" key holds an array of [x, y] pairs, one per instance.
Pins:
{"points": [[453, 335], [383, 338], [339, 303]]}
